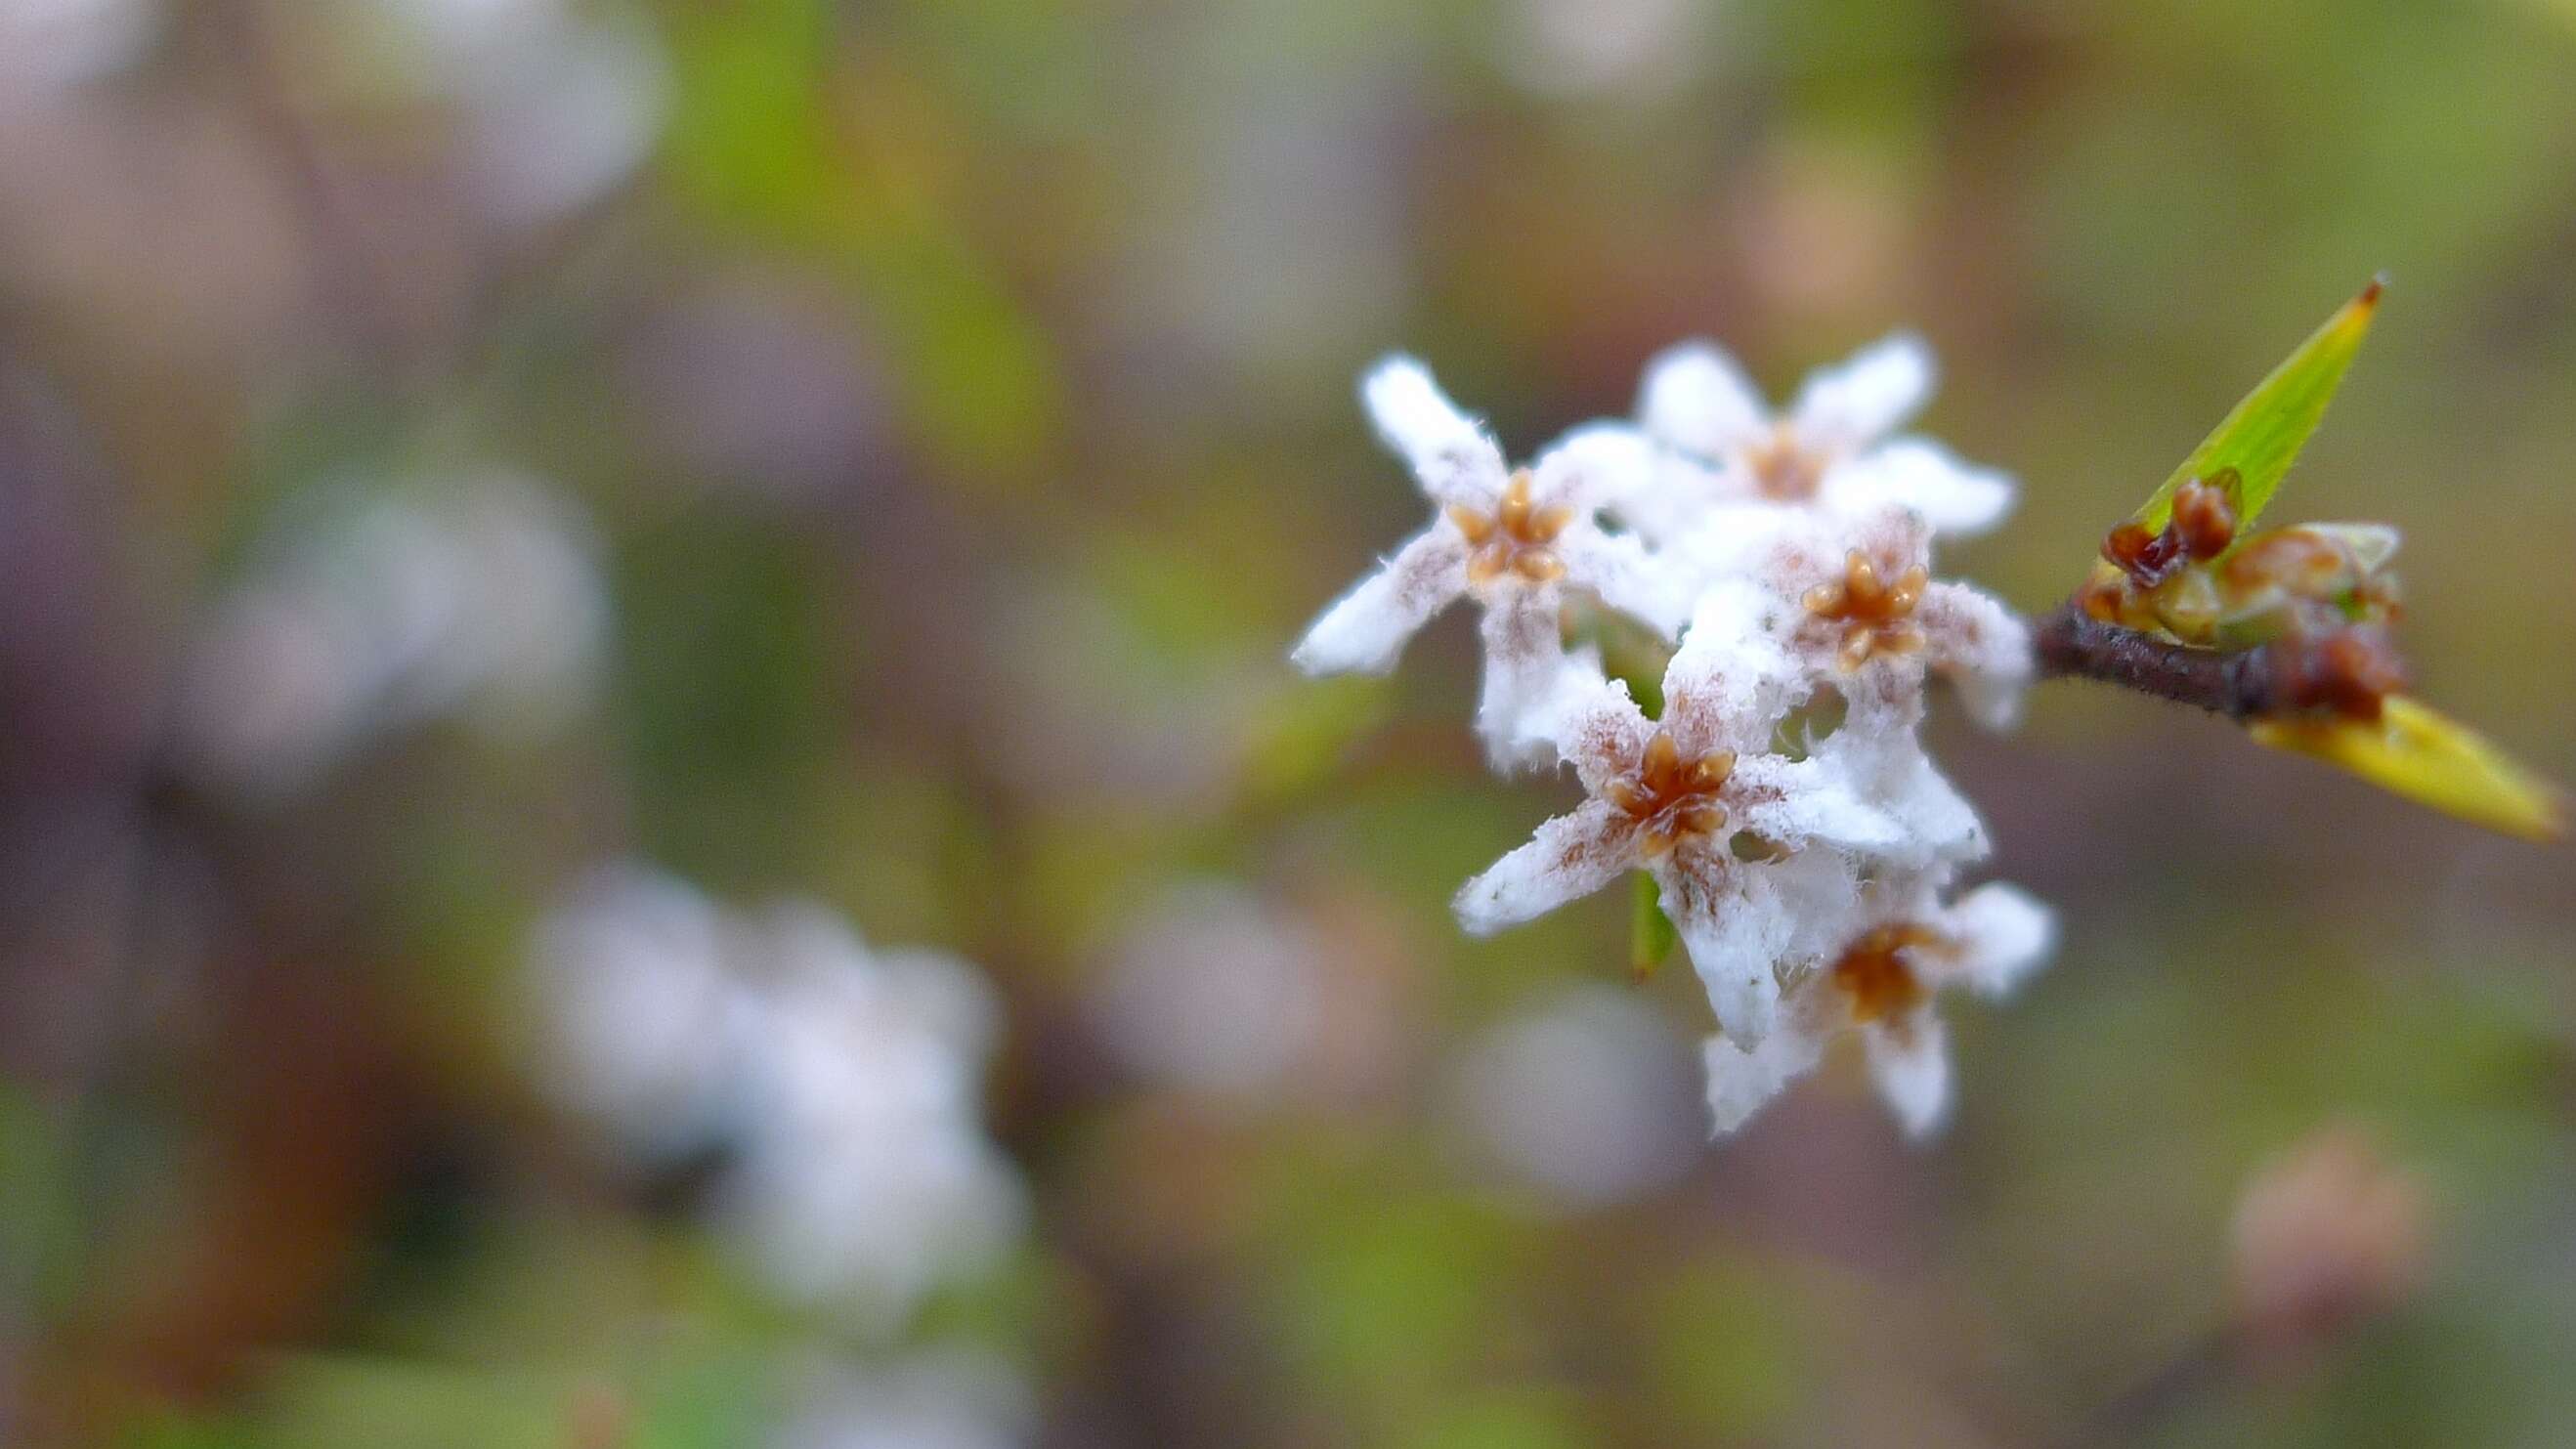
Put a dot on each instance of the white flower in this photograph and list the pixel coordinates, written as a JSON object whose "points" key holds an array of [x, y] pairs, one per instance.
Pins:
{"points": [[1881, 983], [1511, 539], [643, 1024], [867, 1180], [1830, 450], [1749, 848], [1859, 610]]}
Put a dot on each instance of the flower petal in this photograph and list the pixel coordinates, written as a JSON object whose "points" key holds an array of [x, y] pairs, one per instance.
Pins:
{"points": [[1570, 857], [1627, 577], [1862, 399], [1955, 497], [1981, 647], [1451, 454], [1591, 721], [1697, 399], [1367, 628], [1741, 1081], [1737, 927], [2004, 934], [1909, 1060], [1524, 663], [1731, 681], [1811, 802], [1592, 464], [1892, 772]]}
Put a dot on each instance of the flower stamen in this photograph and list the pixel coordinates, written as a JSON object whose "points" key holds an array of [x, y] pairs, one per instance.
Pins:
{"points": [[1874, 617], [1517, 538], [1672, 799]]}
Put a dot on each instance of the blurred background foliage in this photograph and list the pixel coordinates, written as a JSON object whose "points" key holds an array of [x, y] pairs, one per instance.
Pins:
{"points": [[941, 417]]}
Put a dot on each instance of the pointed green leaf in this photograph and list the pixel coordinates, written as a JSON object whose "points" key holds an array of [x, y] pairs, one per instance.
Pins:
{"points": [[2416, 751], [2267, 429], [1650, 932]]}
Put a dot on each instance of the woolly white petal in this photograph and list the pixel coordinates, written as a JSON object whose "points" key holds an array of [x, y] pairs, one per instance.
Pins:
{"points": [[2003, 934], [1738, 537], [1909, 1060], [1696, 398], [1628, 578], [1893, 773], [1730, 681], [1570, 857], [1803, 802], [1956, 498], [1981, 647], [1524, 663], [1737, 927], [1451, 454], [1672, 500], [1591, 464], [1862, 399], [1591, 721], [1741, 1081], [1369, 626]]}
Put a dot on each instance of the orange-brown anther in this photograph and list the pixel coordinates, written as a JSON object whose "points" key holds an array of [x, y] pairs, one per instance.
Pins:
{"points": [[1517, 538], [1785, 471], [1670, 798], [1874, 973], [1874, 617]]}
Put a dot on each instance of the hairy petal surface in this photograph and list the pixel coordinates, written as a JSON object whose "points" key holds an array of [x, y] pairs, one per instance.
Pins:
{"points": [[1367, 629], [2004, 934], [1981, 647], [1957, 498], [1451, 455], [1741, 1081], [1524, 661], [1909, 1062], [1570, 857], [1696, 398], [1858, 401]]}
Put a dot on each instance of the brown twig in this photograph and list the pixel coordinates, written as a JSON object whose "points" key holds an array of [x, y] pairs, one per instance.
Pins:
{"points": [[2241, 685]]}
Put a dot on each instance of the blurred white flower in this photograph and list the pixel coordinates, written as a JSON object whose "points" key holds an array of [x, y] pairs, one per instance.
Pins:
{"points": [[928, 1399], [556, 107], [480, 597], [1212, 993], [1588, 1096], [645, 1026], [1881, 984], [848, 1082], [1511, 539], [867, 1179], [1584, 47], [1830, 451], [49, 46]]}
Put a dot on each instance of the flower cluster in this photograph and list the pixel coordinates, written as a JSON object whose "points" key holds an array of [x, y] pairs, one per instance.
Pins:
{"points": [[841, 1085], [1802, 844]]}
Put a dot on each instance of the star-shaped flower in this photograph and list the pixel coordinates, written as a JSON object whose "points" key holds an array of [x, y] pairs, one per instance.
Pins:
{"points": [[1752, 851], [1880, 982], [1512, 539], [1865, 615], [1831, 451]]}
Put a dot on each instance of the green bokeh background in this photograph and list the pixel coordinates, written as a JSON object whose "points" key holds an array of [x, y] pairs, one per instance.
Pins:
{"points": [[966, 613]]}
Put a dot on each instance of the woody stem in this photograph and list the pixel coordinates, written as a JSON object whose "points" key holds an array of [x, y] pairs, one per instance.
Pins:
{"points": [[2071, 645]]}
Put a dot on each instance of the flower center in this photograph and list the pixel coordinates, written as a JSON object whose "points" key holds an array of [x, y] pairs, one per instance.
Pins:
{"points": [[1785, 470], [1873, 971], [1517, 538], [1873, 617], [1672, 799]]}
